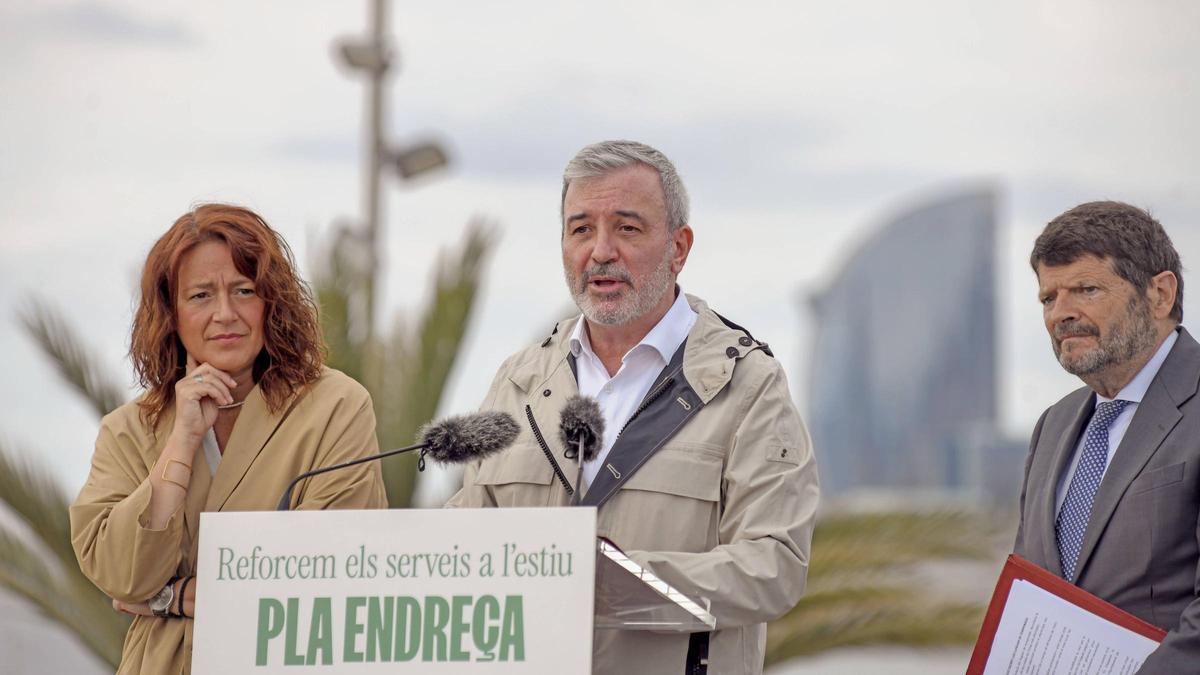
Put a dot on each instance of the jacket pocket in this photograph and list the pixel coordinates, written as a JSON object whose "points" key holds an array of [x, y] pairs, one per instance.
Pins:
{"points": [[671, 503], [519, 476], [1157, 478], [523, 463], [686, 471]]}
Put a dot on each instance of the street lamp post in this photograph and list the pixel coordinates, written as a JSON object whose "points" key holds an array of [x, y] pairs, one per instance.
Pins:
{"points": [[374, 57]]}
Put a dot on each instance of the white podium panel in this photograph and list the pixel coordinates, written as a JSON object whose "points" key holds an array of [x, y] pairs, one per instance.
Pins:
{"points": [[420, 591]]}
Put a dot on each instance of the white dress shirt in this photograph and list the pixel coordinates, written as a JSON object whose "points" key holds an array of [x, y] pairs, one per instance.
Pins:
{"points": [[1133, 392], [620, 395]]}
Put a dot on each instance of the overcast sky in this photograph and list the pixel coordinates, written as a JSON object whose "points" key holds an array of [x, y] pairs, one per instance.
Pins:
{"points": [[799, 127]]}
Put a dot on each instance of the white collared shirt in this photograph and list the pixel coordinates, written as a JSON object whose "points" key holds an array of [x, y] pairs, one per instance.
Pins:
{"points": [[1133, 392], [620, 395]]}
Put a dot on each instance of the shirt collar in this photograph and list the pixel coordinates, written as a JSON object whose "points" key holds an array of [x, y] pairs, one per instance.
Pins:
{"points": [[664, 338], [1135, 391]]}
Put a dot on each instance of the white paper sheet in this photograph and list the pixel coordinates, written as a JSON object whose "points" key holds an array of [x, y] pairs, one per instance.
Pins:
{"points": [[1042, 634]]}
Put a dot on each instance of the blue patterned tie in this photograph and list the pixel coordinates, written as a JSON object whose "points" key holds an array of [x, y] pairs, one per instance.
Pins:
{"points": [[1077, 507]]}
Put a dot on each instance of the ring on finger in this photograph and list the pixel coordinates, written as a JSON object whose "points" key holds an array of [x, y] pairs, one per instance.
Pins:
{"points": [[198, 378]]}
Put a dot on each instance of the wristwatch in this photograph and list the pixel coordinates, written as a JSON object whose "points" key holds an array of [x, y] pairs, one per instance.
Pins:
{"points": [[160, 604]]}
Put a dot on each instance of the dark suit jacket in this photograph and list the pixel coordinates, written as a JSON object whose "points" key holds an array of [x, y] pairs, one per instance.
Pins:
{"points": [[1141, 550]]}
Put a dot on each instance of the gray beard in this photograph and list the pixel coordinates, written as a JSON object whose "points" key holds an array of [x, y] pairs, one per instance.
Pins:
{"points": [[1127, 340], [642, 296]]}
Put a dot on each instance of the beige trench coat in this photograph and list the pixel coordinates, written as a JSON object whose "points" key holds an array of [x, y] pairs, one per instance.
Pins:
{"points": [[332, 421], [723, 511]]}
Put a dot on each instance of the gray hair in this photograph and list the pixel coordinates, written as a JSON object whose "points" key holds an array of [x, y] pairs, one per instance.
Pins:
{"points": [[600, 158]]}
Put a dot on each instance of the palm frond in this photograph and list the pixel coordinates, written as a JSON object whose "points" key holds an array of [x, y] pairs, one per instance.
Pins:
{"points": [[860, 584], [406, 371], [901, 619], [55, 586], [336, 286], [62, 594], [30, 492], [59, 341], [843, 543], [415, 366]]}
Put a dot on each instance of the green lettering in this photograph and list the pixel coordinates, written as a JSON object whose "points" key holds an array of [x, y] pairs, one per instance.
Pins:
{"points": [[487, 608], [459, 627], [408, 628], [224, 567], [326, 567], [353, 630], [291, 657], [379, 628], [512, 636], [320, 632], [270, 625], [437, 615]]}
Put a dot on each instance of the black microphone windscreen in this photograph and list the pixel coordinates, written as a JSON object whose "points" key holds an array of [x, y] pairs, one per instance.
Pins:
{"points": [[466, 437], [582, 420]]}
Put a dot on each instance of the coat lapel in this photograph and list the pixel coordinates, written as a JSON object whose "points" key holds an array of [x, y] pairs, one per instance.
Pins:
{"points": [[546, 394], [668, 405], [547, 409], [1047, 513], [254, 427], [698, 371], [1156, 416]]}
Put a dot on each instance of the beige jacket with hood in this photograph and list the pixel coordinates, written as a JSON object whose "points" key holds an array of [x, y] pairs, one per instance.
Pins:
{"points": [[717, 494]]}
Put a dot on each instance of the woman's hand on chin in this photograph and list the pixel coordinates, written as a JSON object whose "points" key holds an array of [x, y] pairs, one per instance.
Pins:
{"points": [[197, 395]]}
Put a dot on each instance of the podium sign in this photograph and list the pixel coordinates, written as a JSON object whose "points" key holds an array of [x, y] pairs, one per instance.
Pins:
{"points": [[420, 591]]}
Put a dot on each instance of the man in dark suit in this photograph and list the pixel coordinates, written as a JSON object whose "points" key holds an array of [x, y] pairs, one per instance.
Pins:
{"points": [[1111, 496]]}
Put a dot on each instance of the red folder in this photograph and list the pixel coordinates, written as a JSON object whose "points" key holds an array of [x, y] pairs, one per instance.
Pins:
{"points": [[1017, 567]]}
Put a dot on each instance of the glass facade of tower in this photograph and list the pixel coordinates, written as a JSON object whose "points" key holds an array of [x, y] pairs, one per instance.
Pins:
{"points": [[903, 391]]}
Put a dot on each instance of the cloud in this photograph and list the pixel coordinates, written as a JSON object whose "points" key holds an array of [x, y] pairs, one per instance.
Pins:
{"points": [[729, 158], [341, 150], [539, 132], [106, 23], [1042, 196]]}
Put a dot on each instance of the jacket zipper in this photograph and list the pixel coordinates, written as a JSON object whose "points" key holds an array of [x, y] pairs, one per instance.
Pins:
{"points": [[537, 433], [658, 391]]}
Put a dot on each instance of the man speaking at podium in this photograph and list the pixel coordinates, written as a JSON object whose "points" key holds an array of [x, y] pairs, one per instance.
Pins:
{"points": [[1112, 483], [705, 474]]}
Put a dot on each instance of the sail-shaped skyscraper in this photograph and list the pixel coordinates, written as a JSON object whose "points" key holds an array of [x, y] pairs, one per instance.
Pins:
{"points": [[904, 385]]}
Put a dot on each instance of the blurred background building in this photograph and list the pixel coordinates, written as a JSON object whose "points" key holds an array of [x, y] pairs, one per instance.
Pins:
{"points": [[904, 389]]}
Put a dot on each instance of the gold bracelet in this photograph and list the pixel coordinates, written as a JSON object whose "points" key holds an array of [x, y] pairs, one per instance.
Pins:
{"points": [[168, 464]]}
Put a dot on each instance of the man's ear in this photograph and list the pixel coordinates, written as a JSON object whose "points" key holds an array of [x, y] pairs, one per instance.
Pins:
{"points": [[681, 239], [1161, 292]]}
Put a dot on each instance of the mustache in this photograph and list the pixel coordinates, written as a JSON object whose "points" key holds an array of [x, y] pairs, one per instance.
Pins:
{"points": [[606, 270], [1068, 329]]}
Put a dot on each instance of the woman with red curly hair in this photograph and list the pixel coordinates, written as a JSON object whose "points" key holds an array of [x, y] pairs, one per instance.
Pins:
{"points": [[227, 345]]}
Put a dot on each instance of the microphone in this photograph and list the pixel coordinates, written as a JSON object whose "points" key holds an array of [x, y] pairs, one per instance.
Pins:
{"points": [[581, 430], [453, 440]]}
